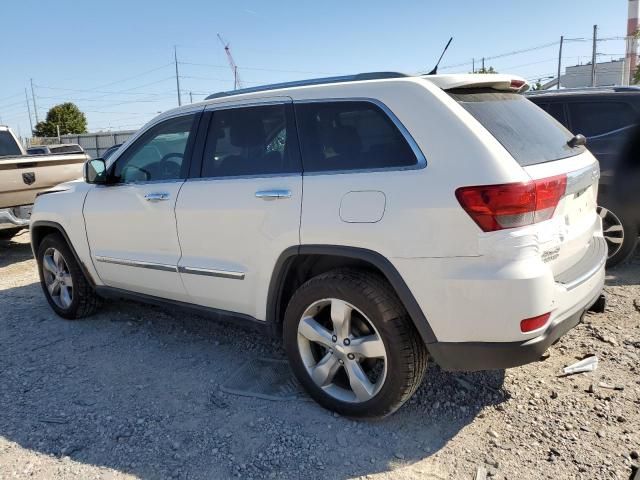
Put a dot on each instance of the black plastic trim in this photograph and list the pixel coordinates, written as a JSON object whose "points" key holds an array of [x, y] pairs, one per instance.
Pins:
{"points": [[221, 315], [475, 356], [369, 256], [61, 230]]}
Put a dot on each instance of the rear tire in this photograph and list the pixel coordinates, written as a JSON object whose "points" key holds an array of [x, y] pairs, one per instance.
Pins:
{"points": [[64, 285], [389, 359], [620, 230]]}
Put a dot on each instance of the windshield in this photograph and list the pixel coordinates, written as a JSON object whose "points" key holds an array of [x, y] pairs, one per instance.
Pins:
{"points": [[8, 145], [528, 133]]}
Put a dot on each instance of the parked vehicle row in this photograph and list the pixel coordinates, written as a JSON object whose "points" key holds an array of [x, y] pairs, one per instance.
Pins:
{"points": [[607, 117], [373, 221], [55, 149], [23, 176]]}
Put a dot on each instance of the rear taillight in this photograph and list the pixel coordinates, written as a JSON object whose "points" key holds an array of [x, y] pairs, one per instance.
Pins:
{"points": [[531, 324], [510, 205]]}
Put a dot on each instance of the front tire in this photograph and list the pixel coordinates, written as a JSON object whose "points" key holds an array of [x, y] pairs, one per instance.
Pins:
{"points": [[64, 285], [352, 345]]}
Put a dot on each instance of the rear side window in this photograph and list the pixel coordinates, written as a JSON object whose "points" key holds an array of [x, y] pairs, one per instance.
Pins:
{"points": [[251, 141], [8, 145], [350, 136], [527, 132], [598, 118]]}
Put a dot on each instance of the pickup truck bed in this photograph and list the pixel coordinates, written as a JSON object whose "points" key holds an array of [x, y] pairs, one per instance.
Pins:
{"points": [[22, 177]]}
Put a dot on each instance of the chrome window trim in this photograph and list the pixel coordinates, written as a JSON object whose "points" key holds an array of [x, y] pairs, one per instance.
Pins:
{"points": [[210, 272], [415, 148], [241, 177], [136, 263]]}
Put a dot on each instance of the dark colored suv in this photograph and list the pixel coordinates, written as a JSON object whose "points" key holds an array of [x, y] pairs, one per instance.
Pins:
{"points": [[609, 118]]}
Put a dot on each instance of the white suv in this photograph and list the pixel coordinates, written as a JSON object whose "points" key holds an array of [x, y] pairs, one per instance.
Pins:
{"points": [[371, 220]]}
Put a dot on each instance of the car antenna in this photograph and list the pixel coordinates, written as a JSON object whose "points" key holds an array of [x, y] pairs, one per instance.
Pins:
{"points": [[435, 69]]}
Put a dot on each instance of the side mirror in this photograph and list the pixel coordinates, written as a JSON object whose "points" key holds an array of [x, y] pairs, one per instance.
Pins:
{"points": [[95, 171]]}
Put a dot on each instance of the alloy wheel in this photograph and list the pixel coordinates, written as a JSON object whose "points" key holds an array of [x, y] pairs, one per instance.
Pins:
{"points": [[57, 278], [342, 351], [612, 230]]}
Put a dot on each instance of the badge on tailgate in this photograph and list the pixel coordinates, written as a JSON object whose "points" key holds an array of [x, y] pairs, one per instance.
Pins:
{"points": [[29, 177]]}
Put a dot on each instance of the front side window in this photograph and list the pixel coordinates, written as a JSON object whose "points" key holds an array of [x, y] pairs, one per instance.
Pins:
{"points": [[598, 118], [159, 154], [350, 135], [250, 141]]}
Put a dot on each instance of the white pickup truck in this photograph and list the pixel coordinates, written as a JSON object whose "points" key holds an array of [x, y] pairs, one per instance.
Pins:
{"points": [[22, 177]]}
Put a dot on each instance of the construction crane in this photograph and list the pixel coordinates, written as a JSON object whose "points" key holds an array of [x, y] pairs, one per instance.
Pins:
{"points": [[232, 64]]}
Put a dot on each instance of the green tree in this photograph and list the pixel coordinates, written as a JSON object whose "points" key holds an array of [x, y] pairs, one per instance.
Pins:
{"points": [[537, 85], [66, 116], [636, 76], [486, 70]]}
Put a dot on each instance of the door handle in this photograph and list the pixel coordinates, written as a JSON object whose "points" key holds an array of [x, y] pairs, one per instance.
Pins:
{"points": [[156, 196], [273, 194]]}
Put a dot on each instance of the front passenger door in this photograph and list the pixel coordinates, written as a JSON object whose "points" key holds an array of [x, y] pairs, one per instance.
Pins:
{"points": [[130, 222]]}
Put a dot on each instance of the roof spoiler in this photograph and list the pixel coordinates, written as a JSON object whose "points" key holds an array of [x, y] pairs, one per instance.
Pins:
{"points": [[511, 83]]}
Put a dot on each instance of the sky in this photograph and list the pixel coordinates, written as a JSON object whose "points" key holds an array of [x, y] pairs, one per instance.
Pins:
{"points": [[115, 59]]}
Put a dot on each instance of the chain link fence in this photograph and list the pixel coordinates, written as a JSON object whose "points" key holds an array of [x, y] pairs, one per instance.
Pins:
{"points": [[93, 143]]}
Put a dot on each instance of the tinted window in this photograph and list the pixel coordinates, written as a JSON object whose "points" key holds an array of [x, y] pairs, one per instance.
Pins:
{"points": [[597, 118], [250, 141], [556, 110], [157, 155], [528, 133], [8, 145], [350, 136], [36, 151], [66, 149]]}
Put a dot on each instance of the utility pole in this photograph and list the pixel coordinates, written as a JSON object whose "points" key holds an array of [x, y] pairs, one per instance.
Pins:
{"points": [[33, 96], [175, 58], [26, 97], [191, 97], [58, 130], [483, 70], [560, 62], [473, 65], [593, 56]]}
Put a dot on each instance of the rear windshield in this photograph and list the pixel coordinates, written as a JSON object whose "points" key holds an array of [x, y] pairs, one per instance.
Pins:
{"points": [[66, 149], [528, 133], [8, 145]]}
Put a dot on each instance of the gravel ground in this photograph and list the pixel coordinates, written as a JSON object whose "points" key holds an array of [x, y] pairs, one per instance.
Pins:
{"points": [[134, 392]]}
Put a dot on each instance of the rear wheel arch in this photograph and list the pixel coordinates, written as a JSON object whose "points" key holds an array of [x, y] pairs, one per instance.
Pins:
{"points": [[298, 264]]}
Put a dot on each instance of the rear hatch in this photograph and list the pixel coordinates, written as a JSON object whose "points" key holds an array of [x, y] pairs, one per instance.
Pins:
{"points": [[564, 180]]}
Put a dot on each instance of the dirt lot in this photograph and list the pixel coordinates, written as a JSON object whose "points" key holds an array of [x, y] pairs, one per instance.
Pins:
{"points": [[134, 392]]}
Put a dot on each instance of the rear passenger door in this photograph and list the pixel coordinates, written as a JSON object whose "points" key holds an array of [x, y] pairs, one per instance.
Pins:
{"points": [[242, 207], [358, 162]]}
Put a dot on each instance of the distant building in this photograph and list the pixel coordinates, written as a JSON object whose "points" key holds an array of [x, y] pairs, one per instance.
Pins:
{"points": [[577, 76]]}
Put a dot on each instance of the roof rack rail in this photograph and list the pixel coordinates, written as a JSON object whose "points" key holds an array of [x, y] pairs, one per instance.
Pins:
{"points": [[612, 88], [312, 81]]}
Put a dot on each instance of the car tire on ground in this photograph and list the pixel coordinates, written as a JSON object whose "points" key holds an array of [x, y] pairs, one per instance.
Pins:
{"points": [[9, 233], [352, 345], [620, 231], [63, 282]]}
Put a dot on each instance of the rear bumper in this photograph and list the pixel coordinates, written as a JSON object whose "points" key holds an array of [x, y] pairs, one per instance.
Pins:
{"points": [[474, 356], [13, 217]]}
